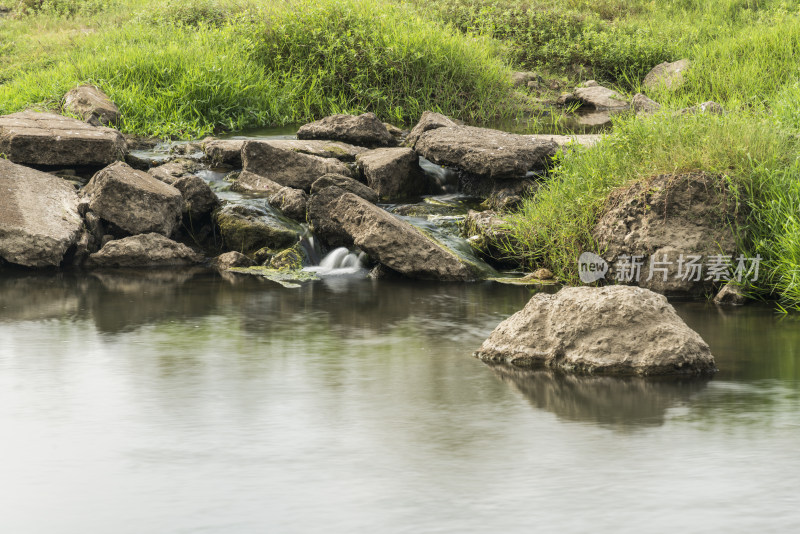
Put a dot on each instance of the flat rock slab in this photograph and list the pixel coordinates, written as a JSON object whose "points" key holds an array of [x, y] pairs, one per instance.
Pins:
{"points": [[229, 151], [39, 218], [145, 250], [600, 98], [362, 130], [614, 330], [485, 152], [33, 138], [427, 122], [288, 167], [134, 201]]}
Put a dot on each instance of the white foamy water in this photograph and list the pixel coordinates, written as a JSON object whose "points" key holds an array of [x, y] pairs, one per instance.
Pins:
{"points": [[339, 262]]}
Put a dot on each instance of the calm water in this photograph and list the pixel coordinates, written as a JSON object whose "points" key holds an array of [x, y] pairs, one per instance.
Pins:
{"points": [[183, 402]]}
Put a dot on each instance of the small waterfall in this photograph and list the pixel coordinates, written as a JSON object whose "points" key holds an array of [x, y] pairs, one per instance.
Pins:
{"points": [[339, 262]]}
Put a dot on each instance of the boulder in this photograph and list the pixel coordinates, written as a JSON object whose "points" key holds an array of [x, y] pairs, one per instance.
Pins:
{"points": [[39, 218], [362, 130], [488, 234], [485, 152], [290, 259], [666, 75], [232, 259], [346, 184], [395, 174], [249, 182], [228, 151], [598, 97], [199, 199], [144, 250], [501, 195], [287, 167], [666, 222], [398, 133], [33, 138], [247, 229], [731, 294], [428, 121], [92, 105], [614, 330], [321, 219], [643, 105], [391, 241], [292, 202], [134, 201]]}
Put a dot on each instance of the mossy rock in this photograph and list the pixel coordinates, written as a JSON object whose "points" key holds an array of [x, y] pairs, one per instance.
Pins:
{"points": [[291, 259], [285, 278], [247, 229]]}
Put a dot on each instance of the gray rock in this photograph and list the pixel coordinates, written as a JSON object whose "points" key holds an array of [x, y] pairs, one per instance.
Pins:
{"points": [[362, 130], [39, 218], [292, 202], [599, 98], [347, 184], [428, 121], [199, 199], [33, 138], [484, 152], [662, 219], [666, 75], [248, 182], [287, 167], [228, 151], [92, 105], [567, 141], [144, 250], [706, 107], [615, 330], [133, 200], [731, 294], [232, 259], [521, 79], [394, 173], [391, 241], [643, 105], [247, 229]]}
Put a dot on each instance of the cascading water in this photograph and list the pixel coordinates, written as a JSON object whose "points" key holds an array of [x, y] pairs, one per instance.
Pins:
{"points": [[339, 262]]}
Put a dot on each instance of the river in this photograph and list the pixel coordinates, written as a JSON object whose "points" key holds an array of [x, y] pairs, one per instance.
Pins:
{"points": [[188, 402]]}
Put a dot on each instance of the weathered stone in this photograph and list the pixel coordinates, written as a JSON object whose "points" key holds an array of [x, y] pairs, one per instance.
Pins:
{"points": [[134, 201], [599, 98], [92, 105], [489, 235], [485, 152], [39, 218], [566, 141], [169, 172], [228, 151], [287, 167], [617, 330], [666, 219], [290, 259], [391, 241], [643, 105], [199, 199], [428, 121], [247, 229], [362, 130], [706, 107], [398, 133], [232, 259], [33, 138], [501, 195], [731, 294], [346, 184], [249, 182], [292, 202], [144, 250], [395, 174], [543, 274], [521, 79], [666, 75]]}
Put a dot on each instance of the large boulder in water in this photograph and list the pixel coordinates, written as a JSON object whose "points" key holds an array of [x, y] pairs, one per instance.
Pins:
{"points": [[395, 174], [392, 242], [92, 105], [33, 138], [617, 330], [145, 250], [247, 229], [39, 218], [346, 184], [362, 130], [671, 226], [286, 167], [484, 152], [134, 201]]}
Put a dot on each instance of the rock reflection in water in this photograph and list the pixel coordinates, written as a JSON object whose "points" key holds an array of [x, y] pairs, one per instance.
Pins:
{"points": [[630, 402]]}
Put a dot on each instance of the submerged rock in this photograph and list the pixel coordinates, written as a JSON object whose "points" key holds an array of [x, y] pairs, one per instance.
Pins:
{"points": [[615, 330], [287, 167], [679, 223], [428, 121], [145, 250], [390, 241], [133, 200], [92, 105], [362, 130], [247, 229], [34, 138], [395, 174], [484, 152], [667, 75], [347, 184], [39, 218]]}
